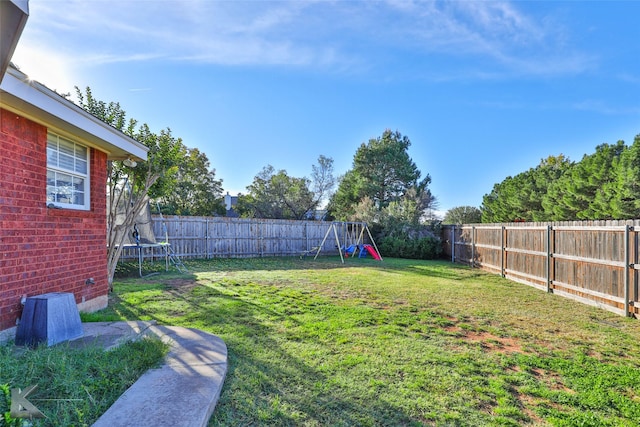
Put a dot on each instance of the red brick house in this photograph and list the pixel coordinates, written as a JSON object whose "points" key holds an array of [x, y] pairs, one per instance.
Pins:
{"points": [[53, 172]]}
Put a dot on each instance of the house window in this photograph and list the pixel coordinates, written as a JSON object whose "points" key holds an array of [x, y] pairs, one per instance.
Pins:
{"points": [[67, 173]]}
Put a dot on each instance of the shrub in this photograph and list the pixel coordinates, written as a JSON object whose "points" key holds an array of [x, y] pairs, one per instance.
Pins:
{"points": [[5, 404], [418, 248]]}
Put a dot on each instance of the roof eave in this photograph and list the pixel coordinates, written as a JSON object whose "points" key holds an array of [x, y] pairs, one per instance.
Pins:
{"points": [[39, 103], [13, 17]]}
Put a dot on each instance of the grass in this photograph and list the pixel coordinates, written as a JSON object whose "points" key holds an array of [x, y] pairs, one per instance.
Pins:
{"points": [[75, 385], [314, 343]]}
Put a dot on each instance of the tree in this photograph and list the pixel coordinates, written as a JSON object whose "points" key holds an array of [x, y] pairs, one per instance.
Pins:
{"points": [[520, 197], [386, 167], [423, 200], [277, 195], [366, 211], [196, 191], [588, 188], [384, 172], [322, 178], [130, 186], [384, 189], [549, 170], [626, 202], [603, 185], [343, 204], [463, 215]]}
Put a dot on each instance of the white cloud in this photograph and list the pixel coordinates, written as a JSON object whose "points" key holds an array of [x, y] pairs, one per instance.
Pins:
{"points": [[506, 39], [331, 35]]}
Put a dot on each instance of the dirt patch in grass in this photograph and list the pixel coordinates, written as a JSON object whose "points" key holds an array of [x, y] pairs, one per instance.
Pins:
{"points": [[181, 284], [491, 342], [529, 403], [487, 340]]}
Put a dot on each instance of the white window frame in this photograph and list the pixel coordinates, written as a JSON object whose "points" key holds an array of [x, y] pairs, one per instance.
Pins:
{"points": [[71, 163]]}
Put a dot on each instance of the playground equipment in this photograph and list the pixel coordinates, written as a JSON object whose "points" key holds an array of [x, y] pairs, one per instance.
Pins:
{"points": [[142, 237], [362, 251], [171, 256], [352, 240]]}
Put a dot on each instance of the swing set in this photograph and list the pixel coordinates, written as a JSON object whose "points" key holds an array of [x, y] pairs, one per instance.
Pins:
{"points": [[353, 234]]}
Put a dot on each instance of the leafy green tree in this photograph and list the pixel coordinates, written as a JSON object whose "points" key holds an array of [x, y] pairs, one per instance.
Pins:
{"points": [[494, 204], [463, 215], [366, 211], [543, 176], [588, 188], [196, 191], [424, 201], [626, 202], [384, 189], [129, 187], [344, 202], [383, 171], [520, 197], [277, 195], [510, 200], [386, 167], [603, 185], [399, 217]]}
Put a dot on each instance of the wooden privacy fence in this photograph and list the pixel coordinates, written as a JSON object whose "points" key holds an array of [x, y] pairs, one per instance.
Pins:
{"points": [[218, 237], [594, 262]]}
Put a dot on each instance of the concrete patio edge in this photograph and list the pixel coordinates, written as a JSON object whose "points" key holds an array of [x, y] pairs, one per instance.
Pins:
{"points": [[183, 391]]}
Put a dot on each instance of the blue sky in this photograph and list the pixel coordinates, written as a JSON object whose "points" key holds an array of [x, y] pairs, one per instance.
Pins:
{"points": [[483, 89]]}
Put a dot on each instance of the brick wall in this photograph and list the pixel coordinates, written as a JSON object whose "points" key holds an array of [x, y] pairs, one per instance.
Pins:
{"points": [[45, 250]]}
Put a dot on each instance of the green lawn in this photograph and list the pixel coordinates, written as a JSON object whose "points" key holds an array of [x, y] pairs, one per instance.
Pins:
{"points": [[315, 343], [75, 386]]}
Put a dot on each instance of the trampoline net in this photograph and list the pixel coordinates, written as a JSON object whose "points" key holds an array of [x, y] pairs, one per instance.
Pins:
{"points": [[143, 225]]}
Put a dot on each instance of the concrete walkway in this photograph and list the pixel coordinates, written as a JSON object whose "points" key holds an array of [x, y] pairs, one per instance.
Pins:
{"points": [[182, 392]]}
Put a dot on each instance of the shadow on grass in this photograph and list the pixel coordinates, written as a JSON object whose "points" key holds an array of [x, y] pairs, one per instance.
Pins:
{"points": [[284, 372], [266, 384], [431, 268], [448, 271], [256, 393], [441, 268], [151, 270], [269, 263]]}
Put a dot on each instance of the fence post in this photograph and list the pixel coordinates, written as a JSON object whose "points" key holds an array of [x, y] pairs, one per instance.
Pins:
{"points": [[453, 244], [503, 230], [626, 270], [261, 228], [548, 258], [206, 238], [634, 295], [473, 246]]}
